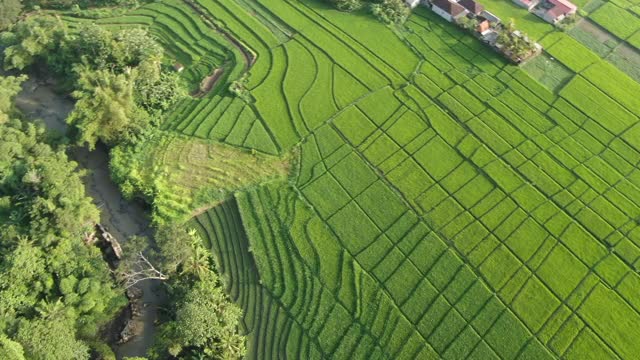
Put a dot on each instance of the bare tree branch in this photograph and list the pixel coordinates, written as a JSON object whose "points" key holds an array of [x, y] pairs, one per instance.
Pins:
{"points": [[138, 270]]}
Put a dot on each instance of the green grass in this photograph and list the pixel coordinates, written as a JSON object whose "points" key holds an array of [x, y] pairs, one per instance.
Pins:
{"points": [[618, 319], [572, 54], [618, 21]]}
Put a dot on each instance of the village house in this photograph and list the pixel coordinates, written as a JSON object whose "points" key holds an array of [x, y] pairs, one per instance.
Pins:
{"points": [[471, 15], [472, 6], [490, 17], [554, 11], [412, 3], [484, 27], [527, 4], [449, 10]]}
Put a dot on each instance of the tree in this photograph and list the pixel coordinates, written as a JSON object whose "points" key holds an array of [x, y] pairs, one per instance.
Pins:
{"points": [[46, 339], [106, 109], [155, 90], [31, 38], [137, 46], [136, 266], [9, 11], [54, 289], [206, 322], [347, 5], [10, 350], [391, 11], [515, 42], [176, 247], [44, 192], [467, 23], [117, 77], [9, 88], [99, 48]]}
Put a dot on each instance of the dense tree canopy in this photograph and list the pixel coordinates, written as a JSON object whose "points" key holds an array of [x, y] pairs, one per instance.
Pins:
{"points": [[391, 11], [45, 339], [34, 37], [47, 274], [117, 77], [65, 4], [347, 5], [9, 87], [387, 11], [10, 350], [55, 292], [9, 11], [106, 109], [204, 322]]}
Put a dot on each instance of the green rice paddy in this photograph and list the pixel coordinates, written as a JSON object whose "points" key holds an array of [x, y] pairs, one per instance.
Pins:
{"points": [[442, 203]]}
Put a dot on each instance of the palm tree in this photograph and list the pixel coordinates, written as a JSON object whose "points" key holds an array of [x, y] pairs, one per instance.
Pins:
{"points": [[198, 263], [50, 310]]}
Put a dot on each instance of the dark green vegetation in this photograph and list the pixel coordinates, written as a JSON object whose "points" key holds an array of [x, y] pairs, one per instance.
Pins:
{"points": [[9, 11], [200, 321], [387, 11], [116, 77], [55, 292]]}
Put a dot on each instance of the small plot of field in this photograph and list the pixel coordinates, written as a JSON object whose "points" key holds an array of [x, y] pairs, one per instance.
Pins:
{"points": [[190, 173], [609, 47], [627, 59], [618, 21], [594, 37], [549, 72]]}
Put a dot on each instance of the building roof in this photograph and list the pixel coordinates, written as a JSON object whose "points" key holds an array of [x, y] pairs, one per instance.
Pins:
{"points": [[449, 7], [561, 7], [489, 16], [564, 3], [472, 6], [483, 26]]}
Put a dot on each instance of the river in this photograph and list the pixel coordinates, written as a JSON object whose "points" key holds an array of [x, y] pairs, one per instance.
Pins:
{"points": [[123, 218]]}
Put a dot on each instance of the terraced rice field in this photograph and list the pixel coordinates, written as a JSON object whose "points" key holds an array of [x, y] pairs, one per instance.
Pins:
{"points": [[442, 203], [191, 40], [189, 174]]}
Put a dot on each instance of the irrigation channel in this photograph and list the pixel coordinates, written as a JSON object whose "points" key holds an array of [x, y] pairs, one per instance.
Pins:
{"points": [[122, 218]]}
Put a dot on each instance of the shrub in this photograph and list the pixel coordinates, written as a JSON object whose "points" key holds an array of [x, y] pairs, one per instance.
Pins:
{"points": [[391, 11], [347, 5]]}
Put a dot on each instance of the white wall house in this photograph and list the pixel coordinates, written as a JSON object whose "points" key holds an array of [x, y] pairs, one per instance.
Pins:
{"points": [[412, 3], [447, 9], [527, 4]]}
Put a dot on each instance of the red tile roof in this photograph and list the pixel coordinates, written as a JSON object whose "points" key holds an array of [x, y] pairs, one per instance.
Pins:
{"points": [[564, 4], [561, 7]]}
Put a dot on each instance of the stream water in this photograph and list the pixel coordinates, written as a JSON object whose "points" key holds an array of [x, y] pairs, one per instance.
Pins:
{"points": [[123, 218]]}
